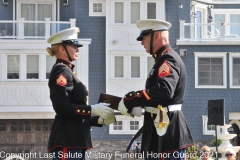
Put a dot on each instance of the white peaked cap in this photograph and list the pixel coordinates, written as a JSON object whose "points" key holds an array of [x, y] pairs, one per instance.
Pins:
{"points": [[149, 25], [153, 24], [67, 36]]}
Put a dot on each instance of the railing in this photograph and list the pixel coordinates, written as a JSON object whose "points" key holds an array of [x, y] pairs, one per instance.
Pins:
{"points": [[22, 29], [209, 31]]}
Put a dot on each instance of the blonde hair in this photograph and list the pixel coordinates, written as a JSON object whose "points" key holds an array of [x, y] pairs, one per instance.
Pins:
{"points": [[53, 51], [206, 148]]}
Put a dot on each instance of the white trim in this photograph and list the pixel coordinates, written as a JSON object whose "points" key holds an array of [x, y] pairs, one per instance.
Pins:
{"points": [[231, 56], [53, 2], [125, 125], [209, 42], [204, 123], [160, 10], [27, 112], [203, 9], [127, 63], [227, 13], [234, 115], [211, 55], [101, 14], [205, 130], [220, 2]]}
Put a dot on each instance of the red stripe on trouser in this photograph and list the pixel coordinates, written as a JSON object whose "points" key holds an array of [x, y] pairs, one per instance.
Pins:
{"points": [[64, 151]]}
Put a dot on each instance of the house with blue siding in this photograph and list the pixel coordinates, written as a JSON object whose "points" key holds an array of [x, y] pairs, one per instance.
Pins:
{"points": [[205, 33]]}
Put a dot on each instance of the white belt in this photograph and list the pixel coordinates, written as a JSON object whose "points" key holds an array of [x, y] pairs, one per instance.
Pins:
{"points": [[174, 107]]}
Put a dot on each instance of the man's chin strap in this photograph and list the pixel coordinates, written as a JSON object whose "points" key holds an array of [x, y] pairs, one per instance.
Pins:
{"points": [[151, 43], [64, 46]]}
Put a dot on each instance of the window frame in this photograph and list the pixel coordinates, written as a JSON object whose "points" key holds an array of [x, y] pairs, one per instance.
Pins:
{"points": [[126, 125], [232, 55], [39, 66], [97, 14], [227, 13], [23, 65], [222, 55], [52, 2], [127, 65], [6, 70], [204, 127], [160, 11]]}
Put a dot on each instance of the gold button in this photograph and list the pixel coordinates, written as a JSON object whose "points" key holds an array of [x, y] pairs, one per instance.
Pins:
{"points": [[83, 111], [78, 110]]}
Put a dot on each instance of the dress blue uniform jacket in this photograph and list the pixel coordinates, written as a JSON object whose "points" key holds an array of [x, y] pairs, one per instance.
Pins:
{"points": [[71, 126], [165, 86]]}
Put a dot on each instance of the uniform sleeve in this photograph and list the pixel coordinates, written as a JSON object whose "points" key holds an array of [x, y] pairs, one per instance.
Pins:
{"points": [[160, 92], [94, 121], [61, 79]]}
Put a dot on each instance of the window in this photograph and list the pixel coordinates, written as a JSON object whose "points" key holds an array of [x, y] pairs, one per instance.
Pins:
{"points": [[43, 125], [230, 17], [131, 65], [125, 125], [218, 17], [12, 66], [235, 29], [150, 63], [234, 70], [21, 125], [210, 70], [97, 8], [118, 12], [208, 129], [125, 12], [119, 66], [135, 67], [199, 28], [50, 61], [135, 12], [151, 11], [3, 125], [134, 125], [32, 67], [117, 125], [35, 12]]}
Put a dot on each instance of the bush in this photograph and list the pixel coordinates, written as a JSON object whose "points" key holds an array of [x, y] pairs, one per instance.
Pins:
{"points": [[191, 153], [213, 143]]}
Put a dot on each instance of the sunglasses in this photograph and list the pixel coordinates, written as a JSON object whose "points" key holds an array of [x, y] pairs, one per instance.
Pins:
{"points": [[228, 155], [205, 151]]}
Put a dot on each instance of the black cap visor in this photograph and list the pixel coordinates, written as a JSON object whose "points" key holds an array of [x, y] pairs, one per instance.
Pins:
{"points": [[146, 32], [72, 42]]}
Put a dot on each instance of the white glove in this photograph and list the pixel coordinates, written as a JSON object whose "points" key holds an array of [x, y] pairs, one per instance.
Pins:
{"points": [[102, 110], [107, 121], [122, 109]]}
